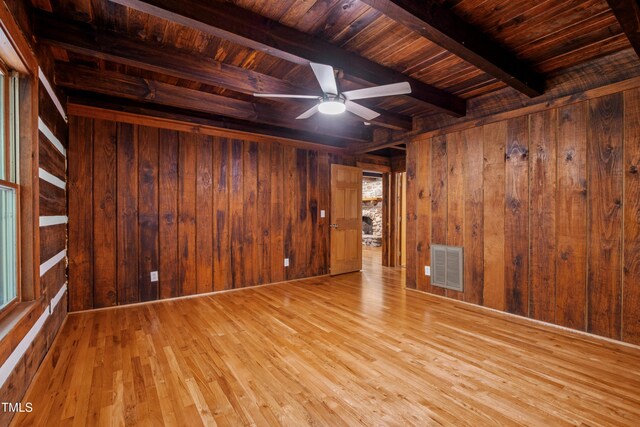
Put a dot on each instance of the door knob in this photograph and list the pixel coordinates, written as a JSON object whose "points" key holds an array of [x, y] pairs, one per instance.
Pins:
{"points": [[333, 225]]}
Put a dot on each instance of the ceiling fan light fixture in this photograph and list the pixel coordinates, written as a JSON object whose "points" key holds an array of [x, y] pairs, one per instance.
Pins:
{"points": [[332, 107]]}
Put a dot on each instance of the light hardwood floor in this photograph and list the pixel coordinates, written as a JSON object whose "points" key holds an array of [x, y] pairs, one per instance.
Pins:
{"points": [[356, 349]]}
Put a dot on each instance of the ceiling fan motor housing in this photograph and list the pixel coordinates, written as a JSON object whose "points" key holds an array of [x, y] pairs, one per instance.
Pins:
{"points": [[332, 104]]}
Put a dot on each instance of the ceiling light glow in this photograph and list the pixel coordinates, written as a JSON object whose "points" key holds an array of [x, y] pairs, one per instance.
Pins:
{"points": [[331, 107]]}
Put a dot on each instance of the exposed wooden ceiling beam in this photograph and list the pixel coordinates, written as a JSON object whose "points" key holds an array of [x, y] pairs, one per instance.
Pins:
{"points": [[628, 14], [435, 22], [84, 39], [241, 26], [139, 89], [117, 109], [363, 149], [390, 120]]}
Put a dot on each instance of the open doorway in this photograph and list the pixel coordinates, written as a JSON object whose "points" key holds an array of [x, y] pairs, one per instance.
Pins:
{"points": [[384, 232], [372, 216], [384, 209]]}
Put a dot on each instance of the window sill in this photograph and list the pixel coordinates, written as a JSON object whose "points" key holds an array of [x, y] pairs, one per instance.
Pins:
{"points": [[18, 321]]}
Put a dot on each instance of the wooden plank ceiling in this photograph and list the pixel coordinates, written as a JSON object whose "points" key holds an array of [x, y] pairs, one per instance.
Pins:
{"points": [[205, 58]]}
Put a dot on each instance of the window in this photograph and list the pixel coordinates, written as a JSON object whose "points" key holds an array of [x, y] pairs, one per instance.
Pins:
{"points": [[9, 188]]}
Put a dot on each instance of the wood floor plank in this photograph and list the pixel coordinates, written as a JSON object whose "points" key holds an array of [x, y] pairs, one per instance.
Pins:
{"points": [[348, 350]]}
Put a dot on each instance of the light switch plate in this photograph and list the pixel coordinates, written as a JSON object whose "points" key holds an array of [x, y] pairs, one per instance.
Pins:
{"points": [[286, 262], [322, 213], [427, 270], [154, 276]]}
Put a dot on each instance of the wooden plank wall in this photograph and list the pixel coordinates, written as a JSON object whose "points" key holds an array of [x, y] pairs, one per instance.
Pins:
{"points": [[547, 207], [53, 199], [15, 339], [208, 213], [53, 242]]}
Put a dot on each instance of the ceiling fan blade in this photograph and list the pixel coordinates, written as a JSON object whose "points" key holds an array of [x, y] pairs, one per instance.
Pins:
{"points": [[377, 91], [361, 111], [310, 112], [282, 95], [326, 78]]}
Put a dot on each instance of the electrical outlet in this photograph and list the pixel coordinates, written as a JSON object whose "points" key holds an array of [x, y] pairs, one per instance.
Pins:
{"points": [[286, 262], [154, 276], [322, 213], [427, 270]]}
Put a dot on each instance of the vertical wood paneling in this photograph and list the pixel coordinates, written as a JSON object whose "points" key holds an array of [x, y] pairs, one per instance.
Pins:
{"points": [[127, 246], [438, 196], [209, 213], [187, 263], [631, 298], [500, 197], [571, 217], [515, 221], [278, 196], [423, 205], [264, 214], [80, 214], [312, 207], [147, 211], [168, 213], [604, 154], [411, 217], [104, 213], [221, 246], [495, 137], [542, 210], [204, 214], [290, 208], [236, 214], [550, 219], [455, 196], [472, 140], [250, 212], [301, 233], [324, 203]]}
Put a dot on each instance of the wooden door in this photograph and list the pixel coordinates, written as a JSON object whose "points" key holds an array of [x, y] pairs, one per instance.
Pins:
{"points": [[346, 219]]}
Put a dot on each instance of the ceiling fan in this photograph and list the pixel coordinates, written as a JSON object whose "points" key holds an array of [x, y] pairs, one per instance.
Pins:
{"points": [[335, 102]]}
